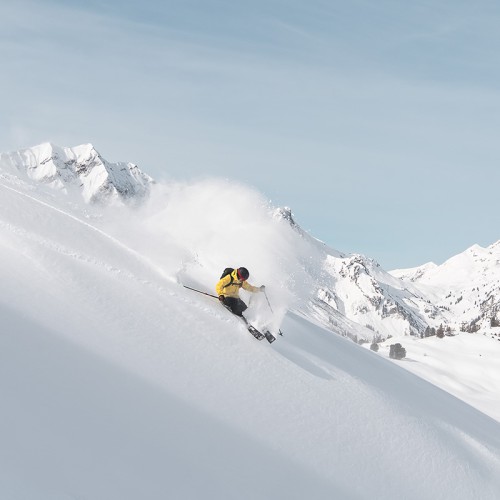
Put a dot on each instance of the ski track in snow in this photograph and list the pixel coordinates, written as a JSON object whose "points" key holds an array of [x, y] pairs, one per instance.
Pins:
{"points": [[68, 252]]}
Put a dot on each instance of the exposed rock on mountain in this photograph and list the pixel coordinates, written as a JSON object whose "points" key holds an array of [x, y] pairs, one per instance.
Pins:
{"points": [[80, 169]]}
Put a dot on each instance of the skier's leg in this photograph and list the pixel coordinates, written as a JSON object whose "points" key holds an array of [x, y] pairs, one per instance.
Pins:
{"points": [[237, 306]]}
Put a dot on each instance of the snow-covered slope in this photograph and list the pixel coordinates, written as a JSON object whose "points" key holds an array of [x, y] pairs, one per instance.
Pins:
{"points": [[464, 365], [466, 287], [80, 168], [118, 383], [355, 288], [350, 294]]}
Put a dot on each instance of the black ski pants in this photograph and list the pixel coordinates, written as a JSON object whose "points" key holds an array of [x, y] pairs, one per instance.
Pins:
{"points": [[236, 305]]}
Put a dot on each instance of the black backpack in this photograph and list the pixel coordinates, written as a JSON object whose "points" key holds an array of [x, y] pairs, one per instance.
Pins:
{"points": [[227, 271]]}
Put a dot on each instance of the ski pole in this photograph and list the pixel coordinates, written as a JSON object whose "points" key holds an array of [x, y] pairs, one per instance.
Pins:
{"points": [[269, 304], [199, 291]]}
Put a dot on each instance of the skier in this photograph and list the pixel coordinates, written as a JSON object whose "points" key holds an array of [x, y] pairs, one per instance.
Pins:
{"points": [[228, 289]]}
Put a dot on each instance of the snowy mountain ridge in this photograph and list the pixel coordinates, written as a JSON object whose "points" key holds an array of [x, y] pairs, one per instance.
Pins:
{"points": [[356, 288], [80, 168], [466, 288]]}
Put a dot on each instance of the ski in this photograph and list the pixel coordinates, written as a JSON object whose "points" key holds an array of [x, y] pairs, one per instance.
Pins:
{"points": [[269, 336], [261, 335], [255, 332]]}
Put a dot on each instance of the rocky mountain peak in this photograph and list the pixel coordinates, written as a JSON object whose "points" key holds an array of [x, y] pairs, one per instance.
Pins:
{"points": [[81, 168]]}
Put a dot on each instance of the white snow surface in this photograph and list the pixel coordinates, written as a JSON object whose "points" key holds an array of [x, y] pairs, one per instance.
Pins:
{"points": [[464, 365], [119, 383]]}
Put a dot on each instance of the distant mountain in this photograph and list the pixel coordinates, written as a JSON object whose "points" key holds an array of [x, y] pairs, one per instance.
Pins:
{"points": [[351, 289], [466, 288], [80, 169]]}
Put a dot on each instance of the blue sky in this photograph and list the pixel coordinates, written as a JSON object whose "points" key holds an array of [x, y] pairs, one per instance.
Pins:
{"points": [[378, 123]]}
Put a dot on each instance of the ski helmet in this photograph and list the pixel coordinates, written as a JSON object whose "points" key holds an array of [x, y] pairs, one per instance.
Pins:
{"points": [[243, 273]]}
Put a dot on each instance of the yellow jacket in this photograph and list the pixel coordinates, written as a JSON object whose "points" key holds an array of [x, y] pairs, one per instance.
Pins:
{"points": [[230, 285]]}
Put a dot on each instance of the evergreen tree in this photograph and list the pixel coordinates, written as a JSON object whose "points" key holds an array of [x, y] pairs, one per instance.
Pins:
{"points": [[440, 332]]}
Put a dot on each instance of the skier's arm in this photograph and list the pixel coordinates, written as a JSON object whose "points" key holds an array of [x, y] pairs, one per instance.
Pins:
{"points": [[250, 288]]}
